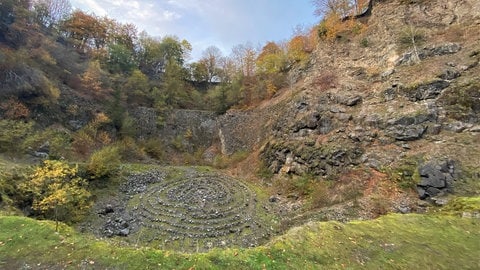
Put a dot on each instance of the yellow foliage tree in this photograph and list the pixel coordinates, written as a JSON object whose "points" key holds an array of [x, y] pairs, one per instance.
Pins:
{"points": [[91, 80], [57, 190]]}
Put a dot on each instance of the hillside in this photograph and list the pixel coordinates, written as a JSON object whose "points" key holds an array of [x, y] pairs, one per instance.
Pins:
{"points": [[353, 145]]}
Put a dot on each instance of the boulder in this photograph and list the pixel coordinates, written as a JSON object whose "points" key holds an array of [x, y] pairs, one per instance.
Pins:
{"points": [[406, 133], [436, 178]]}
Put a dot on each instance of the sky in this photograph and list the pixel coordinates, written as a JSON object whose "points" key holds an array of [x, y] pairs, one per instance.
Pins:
{"points": [[204, 23]]}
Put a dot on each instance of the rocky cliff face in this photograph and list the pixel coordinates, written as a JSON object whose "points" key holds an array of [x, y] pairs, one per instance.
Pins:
{"points": [[369, 99]]}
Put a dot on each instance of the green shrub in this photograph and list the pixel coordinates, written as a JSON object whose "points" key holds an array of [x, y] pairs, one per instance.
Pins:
{"points": [[154, 148], [406, 173], [364, 42], [104, 162], [59, 142], [130, 150], [223, 162], [12, 135], [10, 195]]}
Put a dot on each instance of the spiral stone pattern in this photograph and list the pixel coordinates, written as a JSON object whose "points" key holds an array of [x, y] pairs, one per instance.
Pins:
{"points": [[199, 210]]}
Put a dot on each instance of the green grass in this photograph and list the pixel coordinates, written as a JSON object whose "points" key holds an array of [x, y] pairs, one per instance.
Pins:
{"points": [[391, 242]]}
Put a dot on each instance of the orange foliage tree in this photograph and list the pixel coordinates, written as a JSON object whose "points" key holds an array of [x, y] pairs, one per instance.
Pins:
{"points": [[14, 109]]}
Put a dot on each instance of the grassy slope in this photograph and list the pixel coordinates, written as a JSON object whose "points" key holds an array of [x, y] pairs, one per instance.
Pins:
{"points": [[391, 242]]}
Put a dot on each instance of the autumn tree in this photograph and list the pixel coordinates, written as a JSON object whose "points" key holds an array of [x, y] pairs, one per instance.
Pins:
{"points": [[298, 49], [51, 12], [271, 59], [57, 191], [91, 78], [271, 64], [14, 109], [340, 8], [92, 136], [84, 31], [244, 56], [15, 26], [211, 59], [228, 69]]}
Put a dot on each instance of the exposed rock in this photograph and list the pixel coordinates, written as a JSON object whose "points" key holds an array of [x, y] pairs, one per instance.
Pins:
{"points": [[76, 124], [349, 100], [436, 178], [457, 126], [146, 121], [116, 227], [449, 74], [390, 93], [411, 57], [434, 129], [447, 48], [474, 128], [300, 158], [273, 199], [387, 73], [233, 138], [406, 133], [441, 201], [197, 129], [426, 91], [108, 209], [410, 127]]}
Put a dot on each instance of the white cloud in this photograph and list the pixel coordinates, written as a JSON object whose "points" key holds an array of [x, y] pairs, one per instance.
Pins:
{"points": [[168, 15], [95, 7]]}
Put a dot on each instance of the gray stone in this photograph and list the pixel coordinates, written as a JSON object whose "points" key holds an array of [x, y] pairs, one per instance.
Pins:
{"points": [[390, 94], [434, 129], [41, 155], [457, 126], [349, 100], [442, 201], [442, 49], [449, 74], [427, 91], [406, 133], [76, 124], [447, 48], [474, 128], [432, 191], [325, 125], [273, 199], [124, 232], [436, 178], [387, 73]]}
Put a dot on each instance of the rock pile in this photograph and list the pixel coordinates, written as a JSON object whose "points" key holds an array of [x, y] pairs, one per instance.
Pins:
{"points": [[138, 183]]}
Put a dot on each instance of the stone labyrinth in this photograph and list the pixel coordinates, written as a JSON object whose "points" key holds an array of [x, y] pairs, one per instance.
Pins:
{"points": [[190, 210]]}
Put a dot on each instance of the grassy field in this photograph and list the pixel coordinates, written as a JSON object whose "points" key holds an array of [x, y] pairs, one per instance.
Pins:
{"points": [[433, 241]]}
